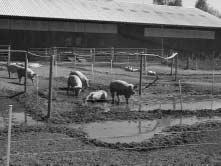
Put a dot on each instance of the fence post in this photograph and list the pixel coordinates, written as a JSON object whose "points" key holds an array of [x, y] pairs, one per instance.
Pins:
{"points": [[94, 55], [57, 56], [176, 67], [37, 88], [46, 51], [196, 65], [213, 80], [141, 66], [9, 135], [112, 54], [50, 86], [75, 57], [9, 54], [111, 65], [145, 61], [181, 100], [112, 58], [171, 70], [55, 59], [26, 74]]}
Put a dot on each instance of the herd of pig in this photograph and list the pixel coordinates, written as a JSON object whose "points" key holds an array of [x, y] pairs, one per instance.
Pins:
{"points": [[78, 81]]}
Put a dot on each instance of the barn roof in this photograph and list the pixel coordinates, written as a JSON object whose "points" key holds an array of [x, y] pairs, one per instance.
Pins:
{"points": [[109, 11]]}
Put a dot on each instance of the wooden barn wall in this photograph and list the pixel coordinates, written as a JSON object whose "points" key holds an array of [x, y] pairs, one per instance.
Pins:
{"points": [[18, 34], [179, 33], [63, 26], [23, 39], [206, 42]]}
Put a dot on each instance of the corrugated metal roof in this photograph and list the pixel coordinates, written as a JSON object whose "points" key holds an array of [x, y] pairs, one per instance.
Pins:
{"points": [[109, 11]]}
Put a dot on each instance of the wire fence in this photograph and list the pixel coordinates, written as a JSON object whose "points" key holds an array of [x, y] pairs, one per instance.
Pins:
{"points": [[101, 65], [33, 148]]}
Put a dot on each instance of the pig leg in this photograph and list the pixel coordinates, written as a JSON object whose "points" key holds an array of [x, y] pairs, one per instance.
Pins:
{"points": [[74, 91], [118, 98], [9, 74], [19, 77], [32, 81], [126, 100], [20, 80], [68, 88], [112, 95]]}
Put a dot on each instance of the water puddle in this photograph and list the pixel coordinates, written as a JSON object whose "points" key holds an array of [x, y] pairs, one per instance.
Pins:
{"points": [[172, 103], [19, 116], [136, 131]]}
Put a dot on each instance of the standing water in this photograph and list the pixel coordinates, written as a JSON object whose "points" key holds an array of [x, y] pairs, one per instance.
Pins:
{"points": [[191, 103], [136, 131], [19, 116]]}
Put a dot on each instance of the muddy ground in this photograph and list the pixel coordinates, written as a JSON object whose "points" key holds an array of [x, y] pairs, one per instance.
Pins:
{"points": [[68, 109]]}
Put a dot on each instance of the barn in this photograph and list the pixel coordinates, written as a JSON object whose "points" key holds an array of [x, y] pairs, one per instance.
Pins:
{"points": [[26, 24]]}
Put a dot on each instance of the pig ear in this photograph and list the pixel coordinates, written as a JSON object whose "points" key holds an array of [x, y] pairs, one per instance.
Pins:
{"points": [[130, 87], [135, 86]]}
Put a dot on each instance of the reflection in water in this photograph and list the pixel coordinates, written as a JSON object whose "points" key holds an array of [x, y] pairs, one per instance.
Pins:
{"points": [[174, 103], [136, 131], [19, 115]]}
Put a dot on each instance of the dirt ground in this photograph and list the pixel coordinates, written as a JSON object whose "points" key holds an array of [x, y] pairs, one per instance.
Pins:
{"points": [[70, 109]]}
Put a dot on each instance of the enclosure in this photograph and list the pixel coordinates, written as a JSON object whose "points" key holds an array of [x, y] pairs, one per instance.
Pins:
{"points": [[173, 118]]}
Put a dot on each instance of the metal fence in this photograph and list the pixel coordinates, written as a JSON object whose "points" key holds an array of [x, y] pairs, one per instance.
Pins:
{"points": [[48, 98], [39, 147]]}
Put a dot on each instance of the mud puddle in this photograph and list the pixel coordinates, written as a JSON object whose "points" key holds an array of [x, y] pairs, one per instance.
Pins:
{"points": [[19, 116], [136, 131], [173, 103]]}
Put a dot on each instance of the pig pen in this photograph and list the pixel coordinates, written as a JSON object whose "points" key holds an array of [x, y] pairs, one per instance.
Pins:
{"points": [[159, 101]]}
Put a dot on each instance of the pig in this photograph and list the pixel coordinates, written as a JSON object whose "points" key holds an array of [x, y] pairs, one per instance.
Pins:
{"points": [[84, 79], [121, 88], [12, 68], [30, 74], [97, 96], [75, 83], [151, 73]]}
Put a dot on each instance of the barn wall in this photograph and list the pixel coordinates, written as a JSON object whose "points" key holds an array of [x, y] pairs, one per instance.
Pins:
{"points": [[25, 34], [62, 26]]}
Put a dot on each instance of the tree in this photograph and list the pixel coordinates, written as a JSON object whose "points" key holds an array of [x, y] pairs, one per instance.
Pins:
{"points": [[168, 2], [202, 5], [175, 3], [159, 2]]}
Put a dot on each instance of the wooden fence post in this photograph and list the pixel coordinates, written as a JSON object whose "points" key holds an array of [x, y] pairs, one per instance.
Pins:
{"points": [[94, 56], [50, 86], [196, 65], [56, 58], [171, 70], [141, 66], [112, 54], [9, 135], [9, 54], [26, 68], [213, 68], [181, 100], [75, 56], [176, 67], [145, 61]]}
